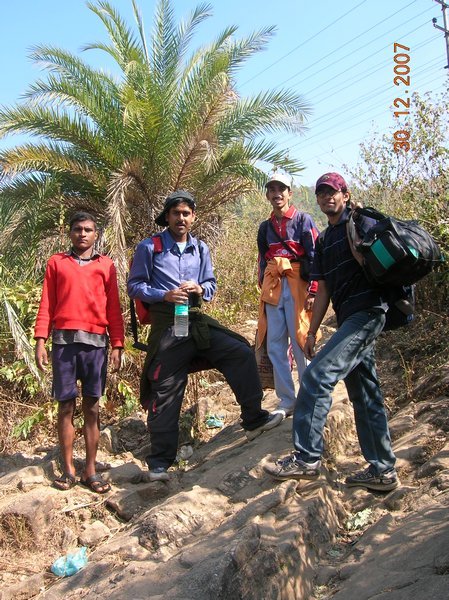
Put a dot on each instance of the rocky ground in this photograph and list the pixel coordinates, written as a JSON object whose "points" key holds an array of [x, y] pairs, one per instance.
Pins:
{"points": [[222, 529]]}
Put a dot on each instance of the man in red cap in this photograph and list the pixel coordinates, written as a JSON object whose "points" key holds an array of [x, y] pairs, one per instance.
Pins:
{"points": [[348, 355]]}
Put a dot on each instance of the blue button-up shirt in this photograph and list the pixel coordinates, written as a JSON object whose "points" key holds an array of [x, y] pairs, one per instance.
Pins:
{"points": [[153, 274]]}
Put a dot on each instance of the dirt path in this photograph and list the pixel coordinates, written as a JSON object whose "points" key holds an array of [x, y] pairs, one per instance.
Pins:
{"points": [[221, 528]]}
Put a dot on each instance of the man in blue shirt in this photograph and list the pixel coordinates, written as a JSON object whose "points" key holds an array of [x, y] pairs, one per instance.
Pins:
{"points": [[347, 355], [180, 270]]}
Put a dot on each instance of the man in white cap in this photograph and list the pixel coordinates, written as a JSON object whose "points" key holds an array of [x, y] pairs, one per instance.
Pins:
{"points": [[286, 243]]}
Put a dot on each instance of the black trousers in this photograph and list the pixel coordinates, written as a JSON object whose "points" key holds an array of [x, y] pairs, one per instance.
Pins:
{"points": [[168, 376]]}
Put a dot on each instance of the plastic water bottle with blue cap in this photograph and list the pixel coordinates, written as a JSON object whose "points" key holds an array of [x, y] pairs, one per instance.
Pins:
{"points": [[181, 322]]}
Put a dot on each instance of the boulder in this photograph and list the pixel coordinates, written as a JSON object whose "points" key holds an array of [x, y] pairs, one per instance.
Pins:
{"points": [[93, 533]]}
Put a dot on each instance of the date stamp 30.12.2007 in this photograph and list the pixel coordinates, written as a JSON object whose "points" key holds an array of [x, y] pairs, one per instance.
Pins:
{"points": [[401, 79]]}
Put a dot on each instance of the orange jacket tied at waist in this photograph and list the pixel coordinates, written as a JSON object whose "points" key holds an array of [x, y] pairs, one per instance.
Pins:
{"points": [[276, 269]]}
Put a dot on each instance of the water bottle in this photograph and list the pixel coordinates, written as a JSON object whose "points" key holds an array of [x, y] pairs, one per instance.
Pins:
{"points": [[181, 323]]}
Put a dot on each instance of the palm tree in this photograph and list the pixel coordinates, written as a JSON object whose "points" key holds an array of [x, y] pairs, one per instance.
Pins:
{"points": [[118, 146]]}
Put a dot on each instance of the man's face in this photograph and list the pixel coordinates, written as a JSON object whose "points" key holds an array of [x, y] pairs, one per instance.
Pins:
{"points": [[279, 195], [331, 202], [83, 235], [179, 220]]}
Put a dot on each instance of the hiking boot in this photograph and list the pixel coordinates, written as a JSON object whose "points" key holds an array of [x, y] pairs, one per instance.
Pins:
{"points": [[273, 420], [292, 467], [159, 474], [384, 482]]}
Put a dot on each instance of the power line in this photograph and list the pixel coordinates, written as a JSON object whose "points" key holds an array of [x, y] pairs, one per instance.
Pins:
{"points": [[366, 96], [343, 85], [359, 101], [354, 51], [330, 132], [428, 79], [306, 140], [303, 43]]}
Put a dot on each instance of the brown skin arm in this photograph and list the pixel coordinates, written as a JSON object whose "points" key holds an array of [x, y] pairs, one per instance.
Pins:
{"points": [[116, 359], [40, 354], [320, 307]]}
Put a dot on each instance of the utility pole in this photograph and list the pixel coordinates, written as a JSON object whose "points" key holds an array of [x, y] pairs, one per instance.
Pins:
{"points": [[444, 29]]}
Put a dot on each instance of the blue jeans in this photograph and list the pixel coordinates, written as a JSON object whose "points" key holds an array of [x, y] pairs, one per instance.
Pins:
{"points": [[348, 355]]}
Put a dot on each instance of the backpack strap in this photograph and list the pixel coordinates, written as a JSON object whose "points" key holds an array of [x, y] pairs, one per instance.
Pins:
{"points": [[283, 242], [262, 244], [132, 311], [157, 248], [354, 238], [264, 231], [157, 243]]}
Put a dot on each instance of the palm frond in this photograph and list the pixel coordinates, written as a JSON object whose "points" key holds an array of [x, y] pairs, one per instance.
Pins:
{"points": [[141, 30], [23, 346], [124, 41], [117, 146], [117, 221]]}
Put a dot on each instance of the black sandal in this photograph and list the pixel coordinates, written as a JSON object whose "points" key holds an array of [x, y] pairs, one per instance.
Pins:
{"points": [[96, 484], [64, 482]]}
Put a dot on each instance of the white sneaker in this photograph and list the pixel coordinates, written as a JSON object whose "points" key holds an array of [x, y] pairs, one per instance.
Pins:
{"points": [[283, 411], [273, 421]]}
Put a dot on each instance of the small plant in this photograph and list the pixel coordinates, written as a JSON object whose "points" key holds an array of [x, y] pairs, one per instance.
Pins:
{"points": [[46, 412], [130, 402], [15, 532], [359, 520], [18, 373]]}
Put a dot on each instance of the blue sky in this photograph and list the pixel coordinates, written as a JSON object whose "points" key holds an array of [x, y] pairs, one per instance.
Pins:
{"points": [[338, 55]]}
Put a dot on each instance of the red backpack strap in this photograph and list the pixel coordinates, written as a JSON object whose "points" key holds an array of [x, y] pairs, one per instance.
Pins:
{"points": [[157, 243], [139, 310]]}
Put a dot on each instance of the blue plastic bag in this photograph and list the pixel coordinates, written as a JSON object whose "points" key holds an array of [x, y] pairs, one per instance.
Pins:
{"points": [[214, 422], [71, 563]]}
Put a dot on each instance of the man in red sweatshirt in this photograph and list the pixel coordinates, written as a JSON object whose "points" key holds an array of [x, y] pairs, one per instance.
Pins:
{"points": [[80, 307]]}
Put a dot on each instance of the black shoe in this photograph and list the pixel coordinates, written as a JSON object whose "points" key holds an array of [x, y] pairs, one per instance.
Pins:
{"points": [[384, 482]]}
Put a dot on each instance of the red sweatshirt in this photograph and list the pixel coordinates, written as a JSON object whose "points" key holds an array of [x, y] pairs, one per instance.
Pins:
{"points": [[75, 297]]}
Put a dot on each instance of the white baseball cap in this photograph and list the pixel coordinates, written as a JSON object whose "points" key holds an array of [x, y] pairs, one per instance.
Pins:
{"points": [[280, 178]]}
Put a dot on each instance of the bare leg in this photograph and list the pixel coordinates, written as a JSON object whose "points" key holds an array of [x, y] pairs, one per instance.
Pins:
{"points": [[91, 432], [66, 434], [91, 436]]}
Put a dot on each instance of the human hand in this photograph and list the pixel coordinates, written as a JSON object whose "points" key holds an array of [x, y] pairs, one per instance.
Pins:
{"points": [[40, 354], [178, 296], [191, 287], [309, 346], [308, 303], [116, 359]]}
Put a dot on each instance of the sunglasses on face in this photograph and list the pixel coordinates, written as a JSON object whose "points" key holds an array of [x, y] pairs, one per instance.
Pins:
{"points": [[327, 193]]}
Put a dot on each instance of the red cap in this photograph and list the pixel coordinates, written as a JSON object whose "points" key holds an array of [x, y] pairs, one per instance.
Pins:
{"points": [[333, 180]]}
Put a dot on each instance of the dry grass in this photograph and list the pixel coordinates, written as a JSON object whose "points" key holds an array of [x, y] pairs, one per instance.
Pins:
{"points": [[408, 353], [15, 534]]}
